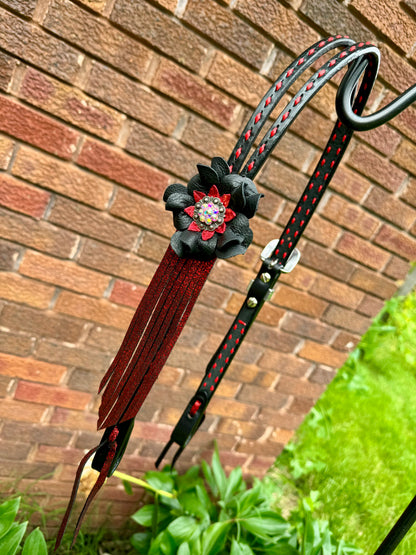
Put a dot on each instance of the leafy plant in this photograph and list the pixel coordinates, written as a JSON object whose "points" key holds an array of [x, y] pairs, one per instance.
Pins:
{"points": [[11, 533], [209, 513]]}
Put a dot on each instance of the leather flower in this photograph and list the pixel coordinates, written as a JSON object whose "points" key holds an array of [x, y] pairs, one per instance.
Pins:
{"points": [[211, 213]]}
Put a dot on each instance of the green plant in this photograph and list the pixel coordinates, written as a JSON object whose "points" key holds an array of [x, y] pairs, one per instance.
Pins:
{"points": [[11, 533], [209, 513]]}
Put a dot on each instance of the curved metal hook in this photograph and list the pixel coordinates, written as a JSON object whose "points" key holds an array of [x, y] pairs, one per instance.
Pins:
{"points": [[344, 101]]}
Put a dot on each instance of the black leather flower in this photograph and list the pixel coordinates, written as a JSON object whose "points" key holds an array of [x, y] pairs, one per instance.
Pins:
{"points": [[211, 214]]}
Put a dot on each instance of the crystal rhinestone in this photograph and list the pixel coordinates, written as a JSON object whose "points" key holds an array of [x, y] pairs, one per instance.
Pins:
{"points": [[209, 213]]}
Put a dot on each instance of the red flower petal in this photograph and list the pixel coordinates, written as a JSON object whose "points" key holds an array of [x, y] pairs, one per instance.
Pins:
{"points": [[198, 195], [207, 234], [190, 211], [221, 228], [193, 227], [225, 199], [229, 215], [213, 192]]}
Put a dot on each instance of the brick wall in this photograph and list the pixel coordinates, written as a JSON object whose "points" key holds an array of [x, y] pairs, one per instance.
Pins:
{"points": [[104, 103]]}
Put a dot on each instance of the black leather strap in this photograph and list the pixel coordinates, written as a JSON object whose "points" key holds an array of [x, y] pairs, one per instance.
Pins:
{"points": [[367, 56]]}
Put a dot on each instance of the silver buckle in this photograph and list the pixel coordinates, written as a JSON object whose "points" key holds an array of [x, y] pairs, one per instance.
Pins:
{"points": [[291, 261]]}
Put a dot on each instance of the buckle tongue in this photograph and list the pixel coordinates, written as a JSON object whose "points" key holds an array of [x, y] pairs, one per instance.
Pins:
{"points": [[268, 251]]}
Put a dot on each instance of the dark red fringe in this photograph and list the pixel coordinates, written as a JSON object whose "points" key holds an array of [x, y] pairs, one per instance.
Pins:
{"points": [[153, 331]]}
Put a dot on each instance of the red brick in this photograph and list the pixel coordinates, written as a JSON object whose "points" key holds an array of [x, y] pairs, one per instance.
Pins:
{"points": [[236, 79], [322, 353], [30, 369], [362, 251], [282, 363], [32, 44], [50, 453], [249, 430], [280, 23], [176, 159], [146, 213], [350, 216], [9, 253], [92, 223], [123, 169], [116, 262], [282, 419], [409, 194], [23, 198], [322, 375], [306, 327], [133, 99], [51, 395], [42, 324], [24, 7], [162, 32], [302, 388], [6, 151], [370, 306], [38, 235], [373, 283], [394, 69], [376, 167], [100, 311], [105, 338], [16, 343], [263, 231], [346, 319], [78, 356], [405, 156], [11, 409], [71, 105], [207, 138], [27, 291], [65, 274], [349, 183], [397, 268], [298, 301], [96, 5], [282, 436], [226, 29], [97, 37], [397, 242], [383, 138], [7, 67], [299, 278], [193, 92], [30, 433], [260, 396], [84, 380], [336, 292], [126, 293], [338, 18], [73, 420], [230, 407], [34, 128], [283, 180], [64, 178], [11, 450], [390, 20], [390, 208], [321, 231], [405, 122]]}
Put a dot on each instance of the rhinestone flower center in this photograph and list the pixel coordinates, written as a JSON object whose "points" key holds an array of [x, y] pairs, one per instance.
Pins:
{"points": [[209, 213]]}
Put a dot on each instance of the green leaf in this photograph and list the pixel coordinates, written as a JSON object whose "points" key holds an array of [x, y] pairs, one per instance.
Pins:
{"points": [[234, 483], [144, 515], [209, 477], [164, 543], [8, 512], [267, 525], [35, 544], [218, 473], [238, 548], [160, 480], [127, 487], [183, 529], [141, 541], [10, 542], [214, 537], [184, 549]]}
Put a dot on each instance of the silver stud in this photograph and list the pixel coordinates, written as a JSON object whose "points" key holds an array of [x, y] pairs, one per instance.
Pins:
{"points": [[206, 199], [252, 302], [265, 277]]}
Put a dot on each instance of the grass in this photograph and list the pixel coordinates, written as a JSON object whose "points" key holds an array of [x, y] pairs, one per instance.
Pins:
{"points": [[358, 445]]}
